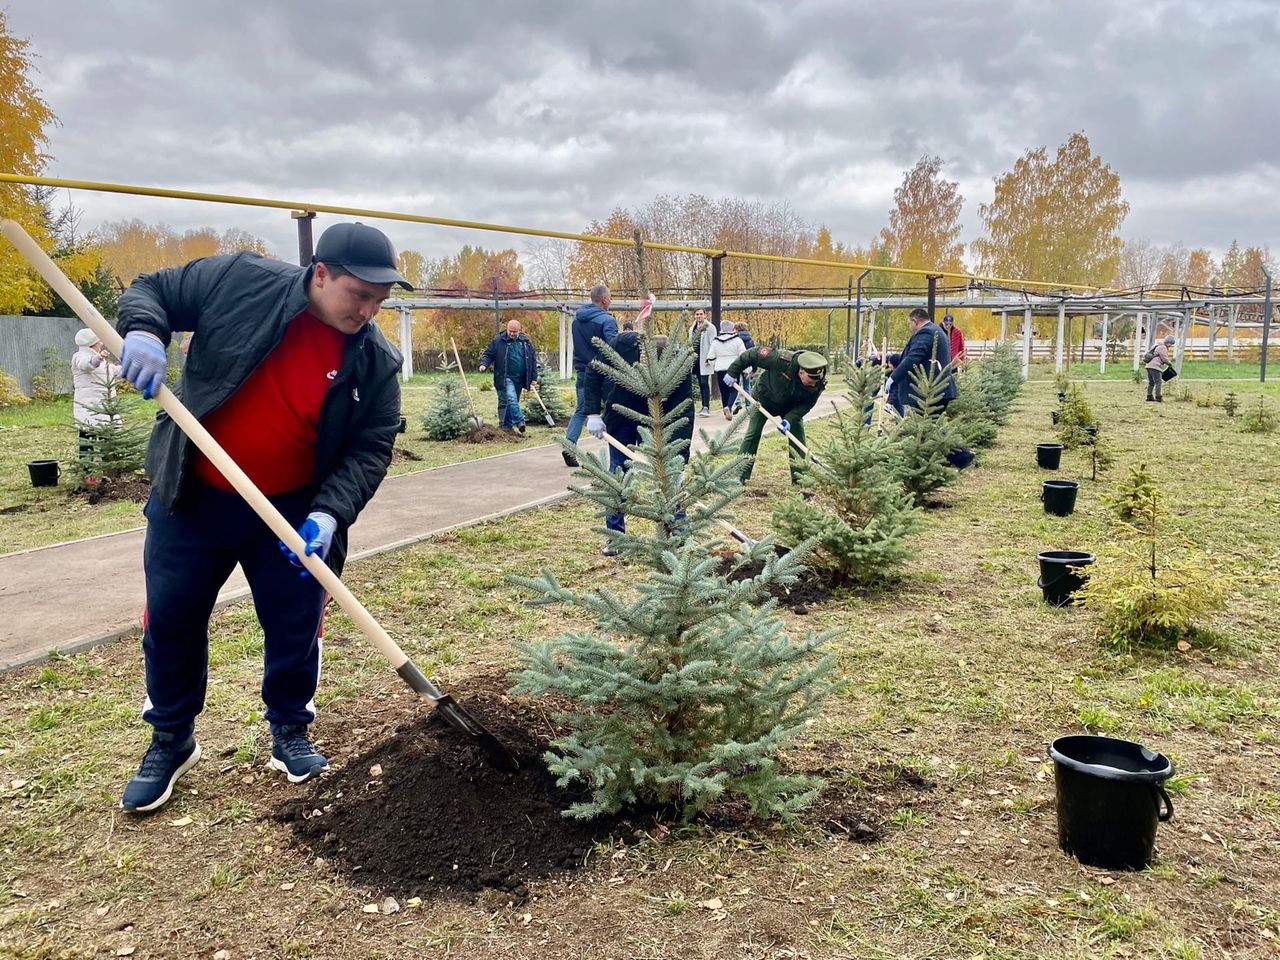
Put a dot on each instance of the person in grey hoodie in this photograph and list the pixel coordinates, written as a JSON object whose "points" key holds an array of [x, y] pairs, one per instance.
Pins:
{"points": [[1155, 369]]}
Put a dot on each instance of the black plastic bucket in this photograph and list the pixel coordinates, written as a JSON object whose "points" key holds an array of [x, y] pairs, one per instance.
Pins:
{"points": [[1048, 455], [1110, 795], [960, 458], [1059, 497], [1059, 574], [44, 473], [1054, 414]]}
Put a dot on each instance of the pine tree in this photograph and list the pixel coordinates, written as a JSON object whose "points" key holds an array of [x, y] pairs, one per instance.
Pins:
{"points": [[923, 438], [115, 448], [552, 398], [971, 411], [686, 689], [449, 415], [1074, 417], [860, 515]]}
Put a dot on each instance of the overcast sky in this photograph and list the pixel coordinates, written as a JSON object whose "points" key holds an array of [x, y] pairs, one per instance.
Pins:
{"points": [[548, 113]]}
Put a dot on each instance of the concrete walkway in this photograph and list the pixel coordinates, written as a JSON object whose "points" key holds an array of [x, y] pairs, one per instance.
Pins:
{"points": [[71, 596]]}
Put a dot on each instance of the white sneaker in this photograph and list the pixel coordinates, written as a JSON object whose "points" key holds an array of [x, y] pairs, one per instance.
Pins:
{"points": [[704, 412]]}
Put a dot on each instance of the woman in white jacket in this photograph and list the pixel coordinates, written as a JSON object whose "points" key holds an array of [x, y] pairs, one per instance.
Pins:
{"points": [[725, 349], [92, 374]]}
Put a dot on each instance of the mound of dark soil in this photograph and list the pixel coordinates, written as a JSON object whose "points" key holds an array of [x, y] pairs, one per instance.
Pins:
{"points": [[105, 489], [426, 813], [403, 453], [488, 433], [811, 589]]}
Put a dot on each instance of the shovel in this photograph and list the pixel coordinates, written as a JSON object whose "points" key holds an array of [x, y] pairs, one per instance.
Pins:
{"points": [[545, 412], [476, 422], [742, 538], [450, 710]]}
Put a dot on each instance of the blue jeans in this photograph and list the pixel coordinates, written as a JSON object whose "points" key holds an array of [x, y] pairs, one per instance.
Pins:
{"points": [[617, 522], [188, 556], [511, 412], [579, 418]]}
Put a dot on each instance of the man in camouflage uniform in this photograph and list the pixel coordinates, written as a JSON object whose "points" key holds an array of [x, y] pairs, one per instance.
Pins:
{"points": [[787, 385]]}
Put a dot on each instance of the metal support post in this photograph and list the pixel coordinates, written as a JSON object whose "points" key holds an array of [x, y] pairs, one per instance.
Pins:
{"points": [[1138, 319], [850, 350], [406, 345], [857, 343], [305, 247], [933, 293], [716, 276], [566, 345], [1213, 332], [1026, 344], [1102, 354], [1004, 325], [1231, 333], [1185, 325], [1266, 325], [1061, 343]]}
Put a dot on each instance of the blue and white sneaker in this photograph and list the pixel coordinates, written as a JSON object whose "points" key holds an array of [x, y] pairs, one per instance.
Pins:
{"points": [[293, 755], [167, 759]]}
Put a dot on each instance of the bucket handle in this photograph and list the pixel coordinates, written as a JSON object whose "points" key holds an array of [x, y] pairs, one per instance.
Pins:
{"points": [[1167, 812]]}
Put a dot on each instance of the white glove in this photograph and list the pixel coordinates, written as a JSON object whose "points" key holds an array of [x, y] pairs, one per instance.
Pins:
{"points": [[595, 426], [888, 386]]}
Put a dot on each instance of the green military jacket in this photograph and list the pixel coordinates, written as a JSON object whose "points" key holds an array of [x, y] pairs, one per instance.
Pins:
{"points": [[777, 386]]}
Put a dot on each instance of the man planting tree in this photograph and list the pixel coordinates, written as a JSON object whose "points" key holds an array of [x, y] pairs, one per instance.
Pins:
{"points": [[298, 386]]}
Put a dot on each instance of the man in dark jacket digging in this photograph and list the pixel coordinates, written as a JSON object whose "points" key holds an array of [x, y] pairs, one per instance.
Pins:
{"points": [[299, 387], [928, 349], [592, 321], [515, 369]]}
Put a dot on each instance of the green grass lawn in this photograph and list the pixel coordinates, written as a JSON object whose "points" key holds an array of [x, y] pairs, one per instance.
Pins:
{"points": [[35, 517], [958, 675], [1122, 369]]}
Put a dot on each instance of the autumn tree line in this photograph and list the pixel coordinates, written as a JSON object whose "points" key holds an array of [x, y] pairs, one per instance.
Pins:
{"points": [[1051, 217]]}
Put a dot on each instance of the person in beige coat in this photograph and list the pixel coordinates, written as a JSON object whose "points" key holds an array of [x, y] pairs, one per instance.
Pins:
{"points": [[1156, 367], [92, 374]]}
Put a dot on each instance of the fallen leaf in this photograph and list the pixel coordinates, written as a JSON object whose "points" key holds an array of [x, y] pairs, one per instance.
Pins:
{"points": [[1183, 646], [17, 784], [181, 822], [413, 902], [375, 770], [713, 904], [103, 911], [369, 908], [287, 885], [125, 951], [525, 918], [1106, 881], [222, 955], [389, 906]]}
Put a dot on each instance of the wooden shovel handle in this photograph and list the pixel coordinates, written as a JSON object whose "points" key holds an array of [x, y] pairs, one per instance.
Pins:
{"points": [[775, 421], [463, 374], [210, 447]]}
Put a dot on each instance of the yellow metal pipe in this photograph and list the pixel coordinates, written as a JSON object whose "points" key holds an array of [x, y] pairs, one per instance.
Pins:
{"points": [[504, 228]]}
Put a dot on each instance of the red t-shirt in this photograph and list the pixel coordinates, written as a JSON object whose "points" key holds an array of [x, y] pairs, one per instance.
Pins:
{"points": [[270, 425]]}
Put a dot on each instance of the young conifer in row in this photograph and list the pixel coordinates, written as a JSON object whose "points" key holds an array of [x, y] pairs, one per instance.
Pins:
{"points": [[686, 686]]}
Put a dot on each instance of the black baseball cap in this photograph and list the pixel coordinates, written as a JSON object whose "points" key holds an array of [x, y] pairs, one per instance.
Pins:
{"points": [[363, 251]]}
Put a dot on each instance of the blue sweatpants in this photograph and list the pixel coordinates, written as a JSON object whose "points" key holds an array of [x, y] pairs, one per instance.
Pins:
{"points": [[188, 556]]}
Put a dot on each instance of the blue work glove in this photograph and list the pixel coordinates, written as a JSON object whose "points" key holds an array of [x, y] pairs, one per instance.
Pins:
{"points": [[317, 533], [729, 380], [784, 427], [595, 425], [143, 362]]}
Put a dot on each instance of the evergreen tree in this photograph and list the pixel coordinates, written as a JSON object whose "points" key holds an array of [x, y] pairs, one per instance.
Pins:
{"points": [[687, 688], [971, 411], [923, 438], [114, 447], [1075, 415], [860, 515], [449, 414], [549, 390]]}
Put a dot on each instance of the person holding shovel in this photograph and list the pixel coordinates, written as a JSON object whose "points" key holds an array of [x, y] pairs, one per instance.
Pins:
{"points": [[929, 349], [515, 369], [92, 374], [300, 388], [787, 384], [592, 321]]}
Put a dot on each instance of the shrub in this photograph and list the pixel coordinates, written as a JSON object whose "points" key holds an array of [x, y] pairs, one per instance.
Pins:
{"points": [[10, 395], [553, 397], [861, 515], [687, 687], [923, 438], [116, 448], [1183, 394], [42, 389], [1075, 415], [55, 372], [1230, 404], [1259, 419], [971, 411], [1138, 600], [449, 414]]}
